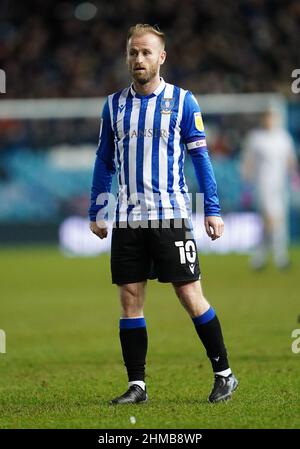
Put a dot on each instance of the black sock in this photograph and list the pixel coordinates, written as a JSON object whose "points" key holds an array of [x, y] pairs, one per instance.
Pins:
{"points": [[134, 342], [209, 330]]}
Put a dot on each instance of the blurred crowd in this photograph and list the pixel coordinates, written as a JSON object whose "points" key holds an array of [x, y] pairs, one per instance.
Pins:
{"points": [[73, 49]]}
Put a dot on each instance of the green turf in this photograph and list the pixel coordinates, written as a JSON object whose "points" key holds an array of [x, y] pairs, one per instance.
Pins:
{"points": [[63, 360]]}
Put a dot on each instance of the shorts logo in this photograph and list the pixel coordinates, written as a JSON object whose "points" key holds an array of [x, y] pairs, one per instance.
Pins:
{"points": [[198, 121], [187, 253], [167, 105]]}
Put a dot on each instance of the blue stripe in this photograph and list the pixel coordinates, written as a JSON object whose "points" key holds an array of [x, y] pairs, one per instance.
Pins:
{"points": [[115, 104], [132, 323], [155, 151], [140, 146], [205, 317], [155, 145], [197, 150], [182, 183], [180, 167], [140, 156], [170, 149], [195, 139], [126, 126]]}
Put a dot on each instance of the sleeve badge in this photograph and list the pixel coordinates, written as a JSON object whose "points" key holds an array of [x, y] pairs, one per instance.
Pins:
{"points": [[198, 121]]}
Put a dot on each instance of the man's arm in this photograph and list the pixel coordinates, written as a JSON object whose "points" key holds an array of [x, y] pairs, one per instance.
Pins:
{"points": [[103, 172], [248, 158], [194, 137], [292, 160]]}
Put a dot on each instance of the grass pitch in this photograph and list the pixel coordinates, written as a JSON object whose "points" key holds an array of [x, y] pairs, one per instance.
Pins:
{"points": [[63, 362]]}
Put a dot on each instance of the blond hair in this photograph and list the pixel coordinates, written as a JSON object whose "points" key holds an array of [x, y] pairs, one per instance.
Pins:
{"points": [[142, 28]]}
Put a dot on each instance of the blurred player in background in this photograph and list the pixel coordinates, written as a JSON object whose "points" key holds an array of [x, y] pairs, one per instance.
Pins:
{"points": [[145, 130], [268, 160]]}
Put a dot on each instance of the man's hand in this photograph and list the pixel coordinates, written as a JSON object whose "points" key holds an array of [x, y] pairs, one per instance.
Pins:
{"points": [[214, 227], [99, 228]]}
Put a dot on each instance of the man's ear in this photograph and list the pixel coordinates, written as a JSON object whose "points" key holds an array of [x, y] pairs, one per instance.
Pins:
{"points": [[163, 56]]}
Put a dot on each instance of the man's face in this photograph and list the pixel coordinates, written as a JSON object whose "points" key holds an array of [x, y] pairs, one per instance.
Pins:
{"points": [[145, 54], [269, 120]]}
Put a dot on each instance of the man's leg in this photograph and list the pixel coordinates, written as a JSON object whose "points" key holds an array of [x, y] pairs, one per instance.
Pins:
{"points": [[258, 258], [279, 238], [134, 341], [209, 331], [133, 332]]}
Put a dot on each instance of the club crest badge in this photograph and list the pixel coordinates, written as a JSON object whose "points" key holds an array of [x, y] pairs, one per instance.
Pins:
{"points": [[167, 105]]}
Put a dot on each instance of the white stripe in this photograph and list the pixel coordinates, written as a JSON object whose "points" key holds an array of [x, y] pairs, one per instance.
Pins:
{"points": [[109, 99], [147, 163], [122, 187], [134, 119], [163, 158], [100, 130]]}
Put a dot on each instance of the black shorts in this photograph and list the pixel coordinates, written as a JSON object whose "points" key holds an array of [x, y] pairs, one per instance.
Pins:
{"points": [[166, 253]]}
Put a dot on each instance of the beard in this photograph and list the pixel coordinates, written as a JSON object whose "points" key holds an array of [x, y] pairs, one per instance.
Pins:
{"points": [[145, 76]]}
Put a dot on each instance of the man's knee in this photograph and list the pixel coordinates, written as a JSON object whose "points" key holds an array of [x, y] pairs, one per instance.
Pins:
{"points": [[132, 299], [191, 297], [188, 290], [129, 291]]}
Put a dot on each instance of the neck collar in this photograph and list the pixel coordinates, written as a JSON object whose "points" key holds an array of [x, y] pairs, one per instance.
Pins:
{"points": [[155, 93]]}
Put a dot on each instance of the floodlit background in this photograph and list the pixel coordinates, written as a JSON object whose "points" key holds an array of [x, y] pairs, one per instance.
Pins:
{"points": [[60, 314], [59, 51]]}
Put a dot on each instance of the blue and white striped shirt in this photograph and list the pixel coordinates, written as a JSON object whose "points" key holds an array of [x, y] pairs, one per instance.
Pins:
{"points": [[145, 138]]}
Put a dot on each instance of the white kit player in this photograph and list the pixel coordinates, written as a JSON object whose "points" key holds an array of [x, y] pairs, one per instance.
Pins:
{"points": [[268, 160]]}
